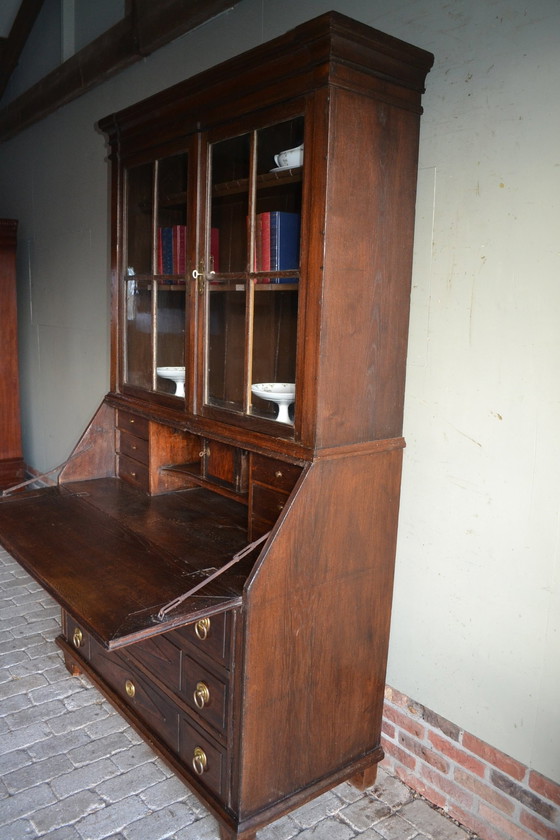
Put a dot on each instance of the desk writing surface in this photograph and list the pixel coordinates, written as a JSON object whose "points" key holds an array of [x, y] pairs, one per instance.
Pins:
{"points": [[112, 556]]}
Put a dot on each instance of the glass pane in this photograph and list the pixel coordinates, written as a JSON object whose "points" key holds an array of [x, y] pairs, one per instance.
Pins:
{"points": [[226, 345], [170, 341], [278, 200], [138, 333], [274, 351], [139, 204], [230, 161], [172, 215]]}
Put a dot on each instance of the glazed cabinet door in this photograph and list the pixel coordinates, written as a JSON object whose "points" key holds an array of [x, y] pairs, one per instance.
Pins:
{"points": [[158, 239], [249, 277]]}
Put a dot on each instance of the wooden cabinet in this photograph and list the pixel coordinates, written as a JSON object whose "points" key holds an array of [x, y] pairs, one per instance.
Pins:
{"points": [[11, 459], [225, 530]]}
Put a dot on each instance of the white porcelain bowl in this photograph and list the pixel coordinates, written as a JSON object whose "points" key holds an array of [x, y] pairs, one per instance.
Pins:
{"points": [[281, 393]]}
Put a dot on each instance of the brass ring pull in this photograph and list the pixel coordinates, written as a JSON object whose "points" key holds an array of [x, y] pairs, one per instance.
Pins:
{"points": [[77, 637], [130, 688], [202, 628], [199, 762], [201, 695]]}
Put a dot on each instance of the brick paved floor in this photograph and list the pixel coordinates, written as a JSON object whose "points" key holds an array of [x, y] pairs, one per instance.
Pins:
{"points": [[72, 769]]}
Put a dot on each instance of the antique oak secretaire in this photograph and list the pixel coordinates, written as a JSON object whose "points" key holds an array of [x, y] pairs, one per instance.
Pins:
{"points": [[222, 538]]}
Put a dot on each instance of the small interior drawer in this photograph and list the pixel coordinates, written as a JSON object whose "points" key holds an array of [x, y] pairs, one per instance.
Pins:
{"points": [[133, 447], [274, 473], [267, 504], [134, 472], [139, 426], [205, 758]]}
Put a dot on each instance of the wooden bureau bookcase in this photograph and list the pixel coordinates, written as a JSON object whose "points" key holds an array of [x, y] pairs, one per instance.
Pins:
{"points": [[257, 673]]}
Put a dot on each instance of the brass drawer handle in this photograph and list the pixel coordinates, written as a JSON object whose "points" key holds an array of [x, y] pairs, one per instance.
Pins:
{"points": [[199, 762], [278, 474], [202, 628], [201, 695], [133, 475], [130, 688], [132, 420], [77, 637]]}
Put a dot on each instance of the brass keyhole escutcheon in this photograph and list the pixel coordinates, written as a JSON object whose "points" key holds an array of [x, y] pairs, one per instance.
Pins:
{"points": [[130, 688], [202, 628], [199, 762], [77, 637], [201, 695]]}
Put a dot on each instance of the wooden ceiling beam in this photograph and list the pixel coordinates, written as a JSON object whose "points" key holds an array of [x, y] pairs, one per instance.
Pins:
{"points": [[15, 42], [146, 27]]}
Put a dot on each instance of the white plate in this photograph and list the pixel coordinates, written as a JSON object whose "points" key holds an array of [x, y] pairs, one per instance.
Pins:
{"points": [[284, 168]]}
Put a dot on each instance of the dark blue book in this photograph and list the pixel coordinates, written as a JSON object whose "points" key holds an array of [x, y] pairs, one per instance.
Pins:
{"points": [[284, 243], [167, 250]]}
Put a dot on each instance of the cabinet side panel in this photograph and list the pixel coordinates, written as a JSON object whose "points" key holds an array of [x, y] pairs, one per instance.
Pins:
{"points": [[318, 614], [94, 454], [10, 432], [367, 269]]}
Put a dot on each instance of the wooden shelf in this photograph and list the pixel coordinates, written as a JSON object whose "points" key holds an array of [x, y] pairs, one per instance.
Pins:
{"points": [[269, 179], [193, 472]]}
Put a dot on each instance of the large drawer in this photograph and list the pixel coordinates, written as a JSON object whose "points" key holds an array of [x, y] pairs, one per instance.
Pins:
{"points": [[161, 658], [205, 758], [212, 636], [205, 693], [76, 635], [149, 704]]}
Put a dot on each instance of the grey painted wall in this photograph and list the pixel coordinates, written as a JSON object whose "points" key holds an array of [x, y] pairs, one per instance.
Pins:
{"points": [[476, 628]]}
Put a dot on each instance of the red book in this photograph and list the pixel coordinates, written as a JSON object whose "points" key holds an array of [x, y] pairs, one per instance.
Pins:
{"points": [[179, 249], [263, 245]]}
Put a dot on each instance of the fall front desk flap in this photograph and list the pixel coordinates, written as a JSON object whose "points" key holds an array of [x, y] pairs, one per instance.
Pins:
{"points": [[114, 557]]}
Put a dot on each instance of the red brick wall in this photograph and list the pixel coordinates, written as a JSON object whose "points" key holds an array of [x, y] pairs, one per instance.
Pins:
{"points": [[484, 789]]}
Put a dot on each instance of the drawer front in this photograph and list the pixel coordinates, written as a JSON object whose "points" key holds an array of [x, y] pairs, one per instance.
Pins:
{"points": [[205, 693], [75, 635], [133, 447], [267, 504], [274, 473], [161, 658], [155, 709], [134, 472], [205, 758], [210, 635], [139, 426]]}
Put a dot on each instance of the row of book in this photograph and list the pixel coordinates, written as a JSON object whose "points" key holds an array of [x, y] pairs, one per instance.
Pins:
{"points": [[172, 249], [277, 244]]}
